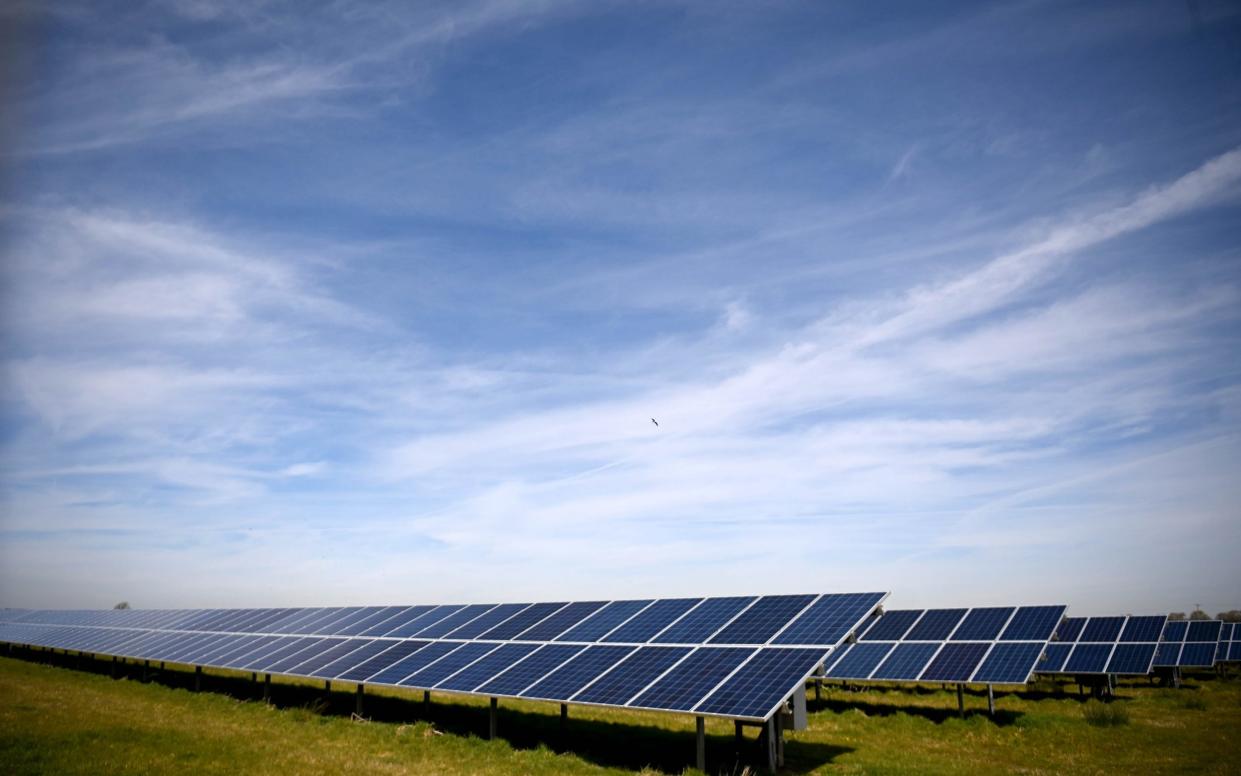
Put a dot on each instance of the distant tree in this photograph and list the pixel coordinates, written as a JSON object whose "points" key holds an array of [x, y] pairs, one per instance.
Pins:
{"points": [[1198, 614], [1232, 615], [1176, 616], [122, 605]]}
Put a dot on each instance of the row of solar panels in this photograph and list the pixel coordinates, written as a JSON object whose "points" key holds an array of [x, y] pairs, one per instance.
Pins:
{"points": [[683, 654], [785, 620]]}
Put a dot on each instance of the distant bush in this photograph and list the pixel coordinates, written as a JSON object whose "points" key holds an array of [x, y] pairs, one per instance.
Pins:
{"points": [[1105, 714], [1232, 615], [1198, 614]]}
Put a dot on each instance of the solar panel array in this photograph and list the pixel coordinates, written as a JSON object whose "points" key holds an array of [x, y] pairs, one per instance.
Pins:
{"points": [[1104, 645], [1189, 644], [739, 658], [994, 645]]}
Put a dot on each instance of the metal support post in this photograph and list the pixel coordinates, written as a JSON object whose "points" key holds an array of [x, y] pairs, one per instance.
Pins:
{"points": [[327, 687], [426, 702], [961, 699], [361, 694], [779, 719], [146, 671], [738, 735], [198, 678], [114, 659], [818, 690], [266, 688], [564, 718], [991, 700], [254, 677], [491, 721], [700, 725], [769, 737]]}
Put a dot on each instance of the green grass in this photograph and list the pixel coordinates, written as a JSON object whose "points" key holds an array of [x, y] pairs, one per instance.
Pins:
{"points": [[64, 721]]}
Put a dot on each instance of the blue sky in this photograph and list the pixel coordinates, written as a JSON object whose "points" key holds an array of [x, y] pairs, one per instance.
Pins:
{"points": [[372, 303]]}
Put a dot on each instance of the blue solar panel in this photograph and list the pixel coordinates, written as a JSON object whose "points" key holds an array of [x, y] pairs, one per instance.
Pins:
{"points": [[380, 615], [299, 656], [1234, 651], [1009, 663], [335, 625], [1088, 658], [570, 677], [396, 652], [762, 683], [559, 622], [1203, 630], [436, 627], [415, 661], [762, 620], [682, 688], [906, 662], [1197, 654], [447, 665], [1143, 629], [830, 619], [1033, 623], [530, 670], [860, 660], [1099, 629], [631, 675], [1070, 629], [704, 620], [283, 649], [486, 667], [1054, 657], [936, 625], [652, 620], [256, 654], [315, 666], [1175, 630], [1167, 653], [956, 662], [601, 622], [532, 614], [345, 666], [1131, 658], [983, 624], [486, 621], [412, 625], [891, 626]]}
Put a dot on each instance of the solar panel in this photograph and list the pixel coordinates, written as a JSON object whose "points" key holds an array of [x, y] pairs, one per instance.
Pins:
{"points": [[1106, 645], [891, 626], [1009, 663], [1089, 658], [905, 663], [716, 653], [1054, 657], [955, 662], [936, 625], [1101, 629], [1132, 658], [983, 624], [860, 660]]}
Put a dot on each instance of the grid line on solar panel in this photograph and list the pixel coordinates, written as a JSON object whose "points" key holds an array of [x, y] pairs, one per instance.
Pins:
{"points": [[602, 622], [955, 662], [1009, 663], [500, 659], [688, 682], [761, 620], [936, 625], [830, 619], [657, 617], [628, 677], [984, 624], [703, 620], [756, 688], [530, 670], [570, 677]]}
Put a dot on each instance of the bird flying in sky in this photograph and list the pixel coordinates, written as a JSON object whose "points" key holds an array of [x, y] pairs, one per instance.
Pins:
{"points": [[656, 422]]}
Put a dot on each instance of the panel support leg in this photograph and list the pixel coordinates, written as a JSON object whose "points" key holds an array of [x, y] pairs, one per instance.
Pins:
{"points": [[327, 688], [700, 736], [818, 690], [961, 699], [769, 740], [114, 659], [146, 671], [360, 694], [266, 688], [491, 720], [779, 719], [738, 735], [564, 720], [426, 702], [991, 700], [198, 678]]}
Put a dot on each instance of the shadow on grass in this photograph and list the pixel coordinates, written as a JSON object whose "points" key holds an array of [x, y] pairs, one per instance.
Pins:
{"points": [[885, 701], [604, 743]]}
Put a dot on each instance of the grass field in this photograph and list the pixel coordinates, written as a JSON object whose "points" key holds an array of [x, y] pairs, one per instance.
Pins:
{"points": [[57, 719]]}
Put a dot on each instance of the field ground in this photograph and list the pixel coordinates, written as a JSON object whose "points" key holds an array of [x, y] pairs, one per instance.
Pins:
{"points": [[58, 719]]}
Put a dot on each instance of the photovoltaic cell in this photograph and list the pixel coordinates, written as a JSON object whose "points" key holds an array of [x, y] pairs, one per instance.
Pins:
{"points": [[1009, 663], [486, 667], [685, 685], [1143, 629], [1088, 658], [906, 662], [1203, 630], [1167, 653], [1070, 629], [704, 620], [1197, 654], [486, 622], [362, 654], [983, 624], [415, 661], [419, 622], [936, 625], [601, 622], [762, 683], [451, 622], [519, 622], [955, 662], [315, 666], [570, 677], [1100, 629], [368, 667], [1033, 623], [652, 620], [559, 622], [760, 622], [830, 619], [1175, 630], [1054, 657], [891, 626], [447, 665], [1130, 658], [860, 660], [530, 670], [631, 675]]}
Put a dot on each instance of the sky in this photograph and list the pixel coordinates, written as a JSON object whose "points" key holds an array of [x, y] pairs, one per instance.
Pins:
{"points": [[374, 303]]}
